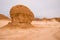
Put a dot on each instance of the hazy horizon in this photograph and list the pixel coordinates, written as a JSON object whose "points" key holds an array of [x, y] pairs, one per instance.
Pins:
{"points": [[40, 8]]}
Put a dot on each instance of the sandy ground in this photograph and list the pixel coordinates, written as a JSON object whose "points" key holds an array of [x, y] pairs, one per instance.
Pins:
{"points": [[52, 24], [51, 27], [4, 22], [43, 31]]}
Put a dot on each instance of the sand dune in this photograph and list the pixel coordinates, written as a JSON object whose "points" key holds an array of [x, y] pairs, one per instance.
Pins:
{"points": [[3, 17], [3, 20]]}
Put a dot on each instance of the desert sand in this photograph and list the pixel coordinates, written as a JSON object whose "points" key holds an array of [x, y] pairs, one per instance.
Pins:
{"points": [[4, 20], [40, 32], [22, 26]]}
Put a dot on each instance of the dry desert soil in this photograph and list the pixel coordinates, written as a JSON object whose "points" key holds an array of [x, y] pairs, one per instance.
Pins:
{"points": [[43, 31]]}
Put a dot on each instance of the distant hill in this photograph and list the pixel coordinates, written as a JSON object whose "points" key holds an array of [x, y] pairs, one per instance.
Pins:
{"points": [[37, 19], [47, 19], [3, 17]]}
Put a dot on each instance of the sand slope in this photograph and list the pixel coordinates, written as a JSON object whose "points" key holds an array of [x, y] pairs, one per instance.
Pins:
{"points": [[3, 20]]}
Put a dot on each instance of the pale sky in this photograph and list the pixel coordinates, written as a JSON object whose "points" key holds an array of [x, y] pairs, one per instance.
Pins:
{"points": [[40, 8]]}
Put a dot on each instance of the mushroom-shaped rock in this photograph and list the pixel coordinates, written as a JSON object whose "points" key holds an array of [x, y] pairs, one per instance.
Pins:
{"points": [[22, 14], [20, 25], [21, 17]]}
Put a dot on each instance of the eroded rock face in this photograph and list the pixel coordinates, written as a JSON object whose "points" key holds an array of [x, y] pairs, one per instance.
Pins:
{"points": [[21, 18], [21, 13]]}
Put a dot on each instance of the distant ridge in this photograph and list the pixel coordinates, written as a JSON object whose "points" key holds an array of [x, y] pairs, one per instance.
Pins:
{"points": [[4, 17], [47, 19], [37, 19]]}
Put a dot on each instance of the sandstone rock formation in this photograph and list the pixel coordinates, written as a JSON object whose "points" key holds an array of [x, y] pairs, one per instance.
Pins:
{"points": [[21, 13], [21, 18]]}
